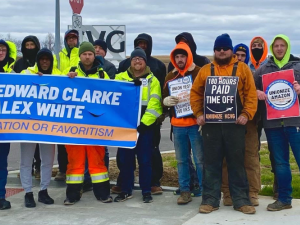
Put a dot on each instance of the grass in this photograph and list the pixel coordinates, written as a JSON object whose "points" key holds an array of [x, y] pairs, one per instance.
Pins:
{"points": [[267, 176]]}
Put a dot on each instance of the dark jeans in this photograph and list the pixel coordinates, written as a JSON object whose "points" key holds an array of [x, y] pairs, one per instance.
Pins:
{"points": [[280, 140], [62, 158], [87, 176], [143, 150], [219, 141], [4, 151]]}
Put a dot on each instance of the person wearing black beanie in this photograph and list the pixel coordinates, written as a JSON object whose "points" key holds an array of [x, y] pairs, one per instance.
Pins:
{"points": [[101, 50], [30, 47]]}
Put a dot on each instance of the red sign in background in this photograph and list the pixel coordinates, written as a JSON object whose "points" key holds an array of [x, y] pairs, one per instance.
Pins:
{"points": [[282, 101], [76, 5]]}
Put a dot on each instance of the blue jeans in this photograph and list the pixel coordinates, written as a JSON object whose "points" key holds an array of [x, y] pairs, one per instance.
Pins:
{"points": [[4, 150], [182, 137], [143, 150], [279, 140], [87, 176]]}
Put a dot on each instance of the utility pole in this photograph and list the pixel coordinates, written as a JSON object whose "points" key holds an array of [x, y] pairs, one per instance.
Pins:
{"points": [[57, 31]]}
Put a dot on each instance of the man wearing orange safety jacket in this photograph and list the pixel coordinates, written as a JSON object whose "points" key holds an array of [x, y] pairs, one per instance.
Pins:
{"points": [[89, 66], [185, 128]]}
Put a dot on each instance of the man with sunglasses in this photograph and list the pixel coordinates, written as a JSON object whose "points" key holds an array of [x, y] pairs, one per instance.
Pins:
{"points": [[225, 140]]}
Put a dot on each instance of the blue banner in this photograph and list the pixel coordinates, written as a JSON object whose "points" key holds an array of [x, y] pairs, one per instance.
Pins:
{"points": [[61, 110]]}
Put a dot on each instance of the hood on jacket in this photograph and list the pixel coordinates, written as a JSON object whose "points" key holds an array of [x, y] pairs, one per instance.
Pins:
{"points": [[32, 38], [189, 61], [190, 40], [286, 57], [11, 55], [48, 53], [144, 37], [236, 48], [65, 39], [264, 55]]}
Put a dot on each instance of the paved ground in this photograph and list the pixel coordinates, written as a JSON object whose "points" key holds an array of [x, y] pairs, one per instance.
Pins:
{"points": [[163, 211], [165, 145]]}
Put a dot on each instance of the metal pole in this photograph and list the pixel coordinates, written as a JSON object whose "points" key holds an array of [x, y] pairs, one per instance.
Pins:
{"points": [[57, 31]]}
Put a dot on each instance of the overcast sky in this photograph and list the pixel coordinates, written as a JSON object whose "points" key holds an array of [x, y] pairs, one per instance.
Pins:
{"points": [[163, 20]]}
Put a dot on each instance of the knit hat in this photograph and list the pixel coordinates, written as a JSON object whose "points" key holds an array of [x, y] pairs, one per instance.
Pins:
{"points": [[86, 46], [180, 51], [138, 52], [102, 44], [223, 40]]}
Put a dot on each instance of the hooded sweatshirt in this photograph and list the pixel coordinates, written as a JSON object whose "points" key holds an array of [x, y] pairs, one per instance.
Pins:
{"points": [[189, 69], [157, 67], [68, 57], [236, 48], [29, 55], [254, 65], [6, 65], [286, 57], [197, 59]]}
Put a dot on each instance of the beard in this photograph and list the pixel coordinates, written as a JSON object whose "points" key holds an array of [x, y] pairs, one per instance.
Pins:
{"points": [[224, 61]]}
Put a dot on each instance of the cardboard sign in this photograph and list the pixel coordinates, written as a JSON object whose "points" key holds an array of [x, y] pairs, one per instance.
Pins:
{"points": [[181, 88], [282, 100], [220, 99]]}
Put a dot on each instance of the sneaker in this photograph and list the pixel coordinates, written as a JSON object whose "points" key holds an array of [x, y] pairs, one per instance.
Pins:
{"points": [[247, 209], [147, 198], [4, 204], [45, 198], [29, 200], [122, 197], [196, 192], [70, 201], [108, 200], [185, 197], [60, 176], [177, 191], [207, 208], [156, 190], [227, 201], [116, 190], [278, 205], [37, 175]]}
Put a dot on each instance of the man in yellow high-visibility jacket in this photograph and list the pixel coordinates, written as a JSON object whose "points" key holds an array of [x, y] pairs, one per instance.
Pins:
{"points": [[139, 72]]}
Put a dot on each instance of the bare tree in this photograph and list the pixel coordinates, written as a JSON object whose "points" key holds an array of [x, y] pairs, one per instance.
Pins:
{"points": [[49, 42]]}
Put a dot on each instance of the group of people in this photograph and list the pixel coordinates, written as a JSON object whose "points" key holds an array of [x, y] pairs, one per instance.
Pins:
{"points": [[211, 157]]}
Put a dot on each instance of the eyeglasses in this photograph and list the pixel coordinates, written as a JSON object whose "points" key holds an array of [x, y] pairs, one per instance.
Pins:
{"points": [[220, 48], [135, 59], [3, 50]]}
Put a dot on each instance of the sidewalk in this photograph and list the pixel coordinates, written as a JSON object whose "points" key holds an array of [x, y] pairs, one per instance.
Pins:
{"points": [[163, 211]]}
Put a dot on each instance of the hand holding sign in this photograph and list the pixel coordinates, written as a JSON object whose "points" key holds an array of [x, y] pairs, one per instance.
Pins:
{"points": [[200, 120], [72, 74], [261, 95], [296, 86], [171, 101], [242, 120]]}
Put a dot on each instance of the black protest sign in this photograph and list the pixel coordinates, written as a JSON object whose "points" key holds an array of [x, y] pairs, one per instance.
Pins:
{"points": [[220, 99]]}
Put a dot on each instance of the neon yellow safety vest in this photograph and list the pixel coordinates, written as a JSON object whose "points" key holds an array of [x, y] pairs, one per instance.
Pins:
{"points": [[80, 73], [8, 68], [151, 96], [65, 61], [35, 70]]}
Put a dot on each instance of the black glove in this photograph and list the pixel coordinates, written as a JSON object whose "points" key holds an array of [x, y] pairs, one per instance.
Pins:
{"points": [[137, 82], [142, 128]]}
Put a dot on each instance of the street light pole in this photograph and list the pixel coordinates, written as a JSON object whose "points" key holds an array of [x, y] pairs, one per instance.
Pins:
{"points": [[57, 31]]}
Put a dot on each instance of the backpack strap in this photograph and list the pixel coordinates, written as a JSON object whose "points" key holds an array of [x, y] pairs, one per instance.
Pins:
{"points": [[212, 69], [234, 69], [73, 69], [101, 74]]}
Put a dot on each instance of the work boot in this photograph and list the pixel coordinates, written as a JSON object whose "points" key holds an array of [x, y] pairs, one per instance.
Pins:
{"points": [[227, 201], [185, 197], [60, 176], [74, 193], [147, 198], [4, 204], [156, 190], [246, 209], [278, 205], [116, 190], [207, 208], [29, 200], [102, 191], [45, 198], [254, 200]]}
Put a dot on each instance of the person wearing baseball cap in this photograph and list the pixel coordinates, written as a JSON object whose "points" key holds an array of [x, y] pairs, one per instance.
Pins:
{"points": [[101, 50]]}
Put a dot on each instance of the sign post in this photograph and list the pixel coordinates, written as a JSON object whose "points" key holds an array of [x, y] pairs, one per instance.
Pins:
{"points": [[77, 6]]}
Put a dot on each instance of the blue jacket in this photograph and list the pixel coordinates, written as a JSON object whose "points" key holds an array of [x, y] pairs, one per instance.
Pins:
{"points": [[247, 51]]}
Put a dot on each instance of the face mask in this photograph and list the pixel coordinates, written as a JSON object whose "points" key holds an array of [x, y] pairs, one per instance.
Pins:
{"points": [[30, 53], [257, 53]]}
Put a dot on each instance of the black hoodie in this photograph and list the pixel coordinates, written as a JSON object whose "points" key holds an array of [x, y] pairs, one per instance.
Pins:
{"points": [[28, 58], [40, 54], [157, 67], [198, 59]]}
